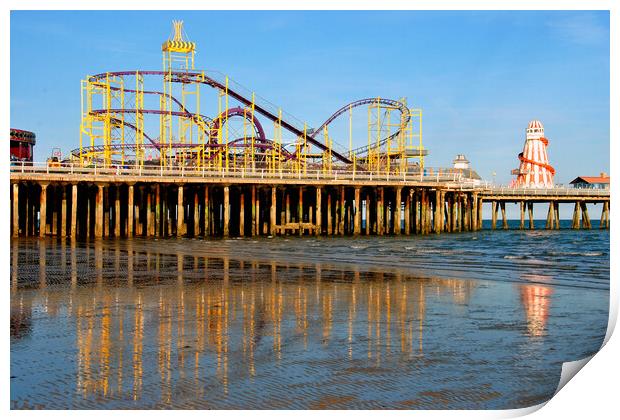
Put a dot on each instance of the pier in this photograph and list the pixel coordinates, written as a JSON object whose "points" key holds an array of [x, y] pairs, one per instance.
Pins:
{"points": [[80, 202]]}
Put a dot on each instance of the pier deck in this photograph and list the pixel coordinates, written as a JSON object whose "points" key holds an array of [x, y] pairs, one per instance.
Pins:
{"points": [[67, 200]]}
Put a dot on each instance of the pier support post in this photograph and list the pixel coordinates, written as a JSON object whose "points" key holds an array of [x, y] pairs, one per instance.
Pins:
{"points": [[577, 216], [556, 212], [480, 202], [397, 211], [342, 211], [148, 198], [138, 219], [329, 214], [367, 220], [437, 211], [157, 231], [550, 211], [181, 210], [74, 198], [585, 216], [253, 212], [604, 216], [474, 218], [380, 212], [272, 211], [130, 210], [493, 214], [453, 212], [319, 216], [63, 211], [358, 213], [99, 211], [522, 215], [117, 210], [300, 211], [423, 212], [287, 213], [242, 214], [504, 220], [408, 213], [196, 221], [257, 217], [16, 210], [207, 212], [530, 210], [226, 211], [89, 210]]}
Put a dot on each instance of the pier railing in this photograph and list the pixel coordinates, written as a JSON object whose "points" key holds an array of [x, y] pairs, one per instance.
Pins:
{"points": [[555, 191], [429, 175]]}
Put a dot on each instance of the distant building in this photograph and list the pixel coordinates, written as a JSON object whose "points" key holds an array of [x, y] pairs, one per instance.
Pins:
{"points": [[461, 162], [22, 145], [599, 182], [461, 165]]}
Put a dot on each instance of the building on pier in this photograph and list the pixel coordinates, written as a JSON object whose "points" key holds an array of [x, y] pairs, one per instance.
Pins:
{"points": [[462, 166], [600, 182], [22, 145], [534, 169]]}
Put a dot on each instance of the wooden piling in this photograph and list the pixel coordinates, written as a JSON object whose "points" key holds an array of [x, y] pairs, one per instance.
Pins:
{"points": [[15, 210], [300, 210], [181, 211], [380, 212], [342, 210], [242, 214], [407, 216], [397, 211], [576, 216], [99, 212], [550, 211], [74, 198], [272, 211], [130, 210], [226, 211], [319, 217], [585, 216], [196, 221], [474, 217], [207, 212]]}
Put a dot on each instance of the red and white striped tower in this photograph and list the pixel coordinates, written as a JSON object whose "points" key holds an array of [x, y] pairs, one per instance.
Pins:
{"points": [[534, 169]]}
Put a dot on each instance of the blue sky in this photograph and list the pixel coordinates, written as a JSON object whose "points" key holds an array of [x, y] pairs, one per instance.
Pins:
{"points": [[479, 76]]}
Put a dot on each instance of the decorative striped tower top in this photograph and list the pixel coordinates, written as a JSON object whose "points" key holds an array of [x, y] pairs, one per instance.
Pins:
{"points": [[534, 169]]}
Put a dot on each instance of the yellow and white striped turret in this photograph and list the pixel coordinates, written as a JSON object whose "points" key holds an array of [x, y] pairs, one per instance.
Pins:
{"points": [[177, 43]]}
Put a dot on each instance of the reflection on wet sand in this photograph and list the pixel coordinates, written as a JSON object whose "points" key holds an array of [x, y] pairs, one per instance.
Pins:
{"points": [[536, 299], [150, 325]]}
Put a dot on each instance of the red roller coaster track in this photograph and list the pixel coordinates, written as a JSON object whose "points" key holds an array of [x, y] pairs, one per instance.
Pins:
{"points": [[196, 77]]}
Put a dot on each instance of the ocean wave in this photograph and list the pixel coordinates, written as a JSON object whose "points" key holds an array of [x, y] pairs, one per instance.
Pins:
{"points": [[574, 253]]}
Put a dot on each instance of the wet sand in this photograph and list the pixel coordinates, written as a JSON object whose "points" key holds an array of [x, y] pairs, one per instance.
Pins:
{"points": [[185, 324]]}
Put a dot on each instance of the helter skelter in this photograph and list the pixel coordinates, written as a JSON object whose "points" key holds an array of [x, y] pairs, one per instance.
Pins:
{"points": [[534, 169]]}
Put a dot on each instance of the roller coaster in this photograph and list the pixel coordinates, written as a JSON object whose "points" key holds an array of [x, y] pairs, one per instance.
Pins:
{"points": [[119, 116]]}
